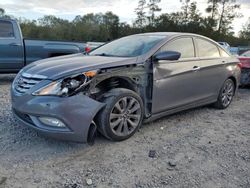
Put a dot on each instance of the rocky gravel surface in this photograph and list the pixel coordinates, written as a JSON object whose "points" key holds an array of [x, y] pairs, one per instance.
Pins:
{"points": [[203, 147]]}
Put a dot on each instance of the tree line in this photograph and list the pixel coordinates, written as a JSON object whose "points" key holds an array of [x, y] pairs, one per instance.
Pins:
{"points": [[104, 27]]}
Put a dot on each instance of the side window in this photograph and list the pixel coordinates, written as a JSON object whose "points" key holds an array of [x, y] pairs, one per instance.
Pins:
{"points": [[183, 45], [207, 49], [223, 53], [6, 29]]}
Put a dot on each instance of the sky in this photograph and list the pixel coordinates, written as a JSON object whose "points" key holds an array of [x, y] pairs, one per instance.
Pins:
{"points": [[68, 9]]}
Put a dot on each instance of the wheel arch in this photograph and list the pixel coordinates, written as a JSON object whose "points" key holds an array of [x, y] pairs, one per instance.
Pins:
{"points": [[235, 82], [118, 82]]}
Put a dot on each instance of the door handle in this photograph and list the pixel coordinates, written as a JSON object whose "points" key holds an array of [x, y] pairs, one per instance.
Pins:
{"points": [[14, 44], [196, 68]]}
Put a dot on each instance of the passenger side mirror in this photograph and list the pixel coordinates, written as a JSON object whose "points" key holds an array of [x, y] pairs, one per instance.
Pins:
{"points": [[167, 55]]}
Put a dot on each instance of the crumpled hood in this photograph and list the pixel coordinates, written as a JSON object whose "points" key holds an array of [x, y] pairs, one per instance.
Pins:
{"points": [[54, 68]]}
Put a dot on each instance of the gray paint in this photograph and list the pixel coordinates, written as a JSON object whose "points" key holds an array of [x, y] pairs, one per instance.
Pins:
{"points": [[76, 112], [166, 86], [58, 67]]}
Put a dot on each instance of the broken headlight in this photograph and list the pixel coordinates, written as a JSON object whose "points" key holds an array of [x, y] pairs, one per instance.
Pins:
{"points": [[67, 86]]}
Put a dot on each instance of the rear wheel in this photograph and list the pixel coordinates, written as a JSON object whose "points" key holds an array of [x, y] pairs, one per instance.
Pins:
{"points": [[226, 94], [122, 115]]}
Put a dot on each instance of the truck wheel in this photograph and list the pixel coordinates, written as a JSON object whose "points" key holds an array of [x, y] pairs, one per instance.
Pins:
{"points": [[226, 94], [122, 115]]}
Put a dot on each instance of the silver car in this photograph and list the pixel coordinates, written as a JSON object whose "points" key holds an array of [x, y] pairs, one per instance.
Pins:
{"points": [[121, 84]]}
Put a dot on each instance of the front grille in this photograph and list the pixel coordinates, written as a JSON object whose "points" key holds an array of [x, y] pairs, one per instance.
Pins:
{"points": [[26, 81]]}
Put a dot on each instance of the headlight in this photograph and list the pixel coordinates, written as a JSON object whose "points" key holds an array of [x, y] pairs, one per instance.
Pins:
{"points": [[67, 86]]}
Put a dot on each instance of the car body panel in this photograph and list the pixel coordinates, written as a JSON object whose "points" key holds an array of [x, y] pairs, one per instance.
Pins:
{"points": [[77, 112], [41, 49], [174, 82], [245, 68], [12, 54], [57, 67], [245, 62], [216, 72]]}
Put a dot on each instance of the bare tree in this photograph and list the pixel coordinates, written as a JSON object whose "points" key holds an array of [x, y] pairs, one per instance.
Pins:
{"points": [[185, 8], [227, 14], [213, 8], [141, 14], [153, 8]]}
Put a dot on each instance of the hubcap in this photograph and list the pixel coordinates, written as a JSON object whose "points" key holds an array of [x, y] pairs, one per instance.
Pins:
{"points": [[227, 93], [125, 116]]}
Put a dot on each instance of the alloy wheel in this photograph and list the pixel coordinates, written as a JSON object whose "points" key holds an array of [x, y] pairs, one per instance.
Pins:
{"points": [[125, 116], [227, 93]]}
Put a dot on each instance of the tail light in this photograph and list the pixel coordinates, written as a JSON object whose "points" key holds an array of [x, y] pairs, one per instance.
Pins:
{"points": [[87, 49]]}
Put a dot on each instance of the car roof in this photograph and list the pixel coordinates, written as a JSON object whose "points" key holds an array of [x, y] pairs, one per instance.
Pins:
{"points": [[166, 33], [171, 34]]}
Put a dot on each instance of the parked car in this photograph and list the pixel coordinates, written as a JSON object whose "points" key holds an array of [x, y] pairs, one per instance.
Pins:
{"points": [[93, 45], [17, 52], [225, 45], [245, 68], [123, 83]]}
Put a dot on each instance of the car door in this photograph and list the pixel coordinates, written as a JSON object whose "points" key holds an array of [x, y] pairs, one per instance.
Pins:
{"points": [[11, 47], [176, 83], [213, 70]]}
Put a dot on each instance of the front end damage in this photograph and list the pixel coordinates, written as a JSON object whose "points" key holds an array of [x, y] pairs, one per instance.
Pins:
{"points": [[74, 115], [75, 112], [136, 77]]}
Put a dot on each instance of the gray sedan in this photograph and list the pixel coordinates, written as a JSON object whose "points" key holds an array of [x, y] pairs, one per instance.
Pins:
{"points": [[123, 83]]}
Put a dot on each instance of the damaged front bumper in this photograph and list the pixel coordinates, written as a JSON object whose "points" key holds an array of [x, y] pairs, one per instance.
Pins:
{"points": [[75, 112]]}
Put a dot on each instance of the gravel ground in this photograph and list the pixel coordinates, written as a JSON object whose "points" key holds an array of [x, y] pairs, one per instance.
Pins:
{"points": [[202, 147]]}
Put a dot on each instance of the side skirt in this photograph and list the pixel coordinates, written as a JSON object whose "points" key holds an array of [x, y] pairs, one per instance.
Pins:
{"points": [[179, 109]]}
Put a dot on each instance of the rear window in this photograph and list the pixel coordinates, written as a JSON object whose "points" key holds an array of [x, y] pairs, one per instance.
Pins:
{"points": [[6, 29], [207, 49]]}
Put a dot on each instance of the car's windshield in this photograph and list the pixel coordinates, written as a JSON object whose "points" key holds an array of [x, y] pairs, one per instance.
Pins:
{"points": [[130, 46], [246, 54]]}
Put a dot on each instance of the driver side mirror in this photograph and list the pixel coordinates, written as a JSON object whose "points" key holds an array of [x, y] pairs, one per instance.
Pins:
{"points": [[167, 55]]}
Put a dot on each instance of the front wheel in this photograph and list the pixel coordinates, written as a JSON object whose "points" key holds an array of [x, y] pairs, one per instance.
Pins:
{"points": [[226, 94], [122, 115]]}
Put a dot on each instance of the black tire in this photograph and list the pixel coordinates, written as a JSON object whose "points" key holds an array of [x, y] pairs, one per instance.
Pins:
{"points": [[117, 108], [226, 94]]}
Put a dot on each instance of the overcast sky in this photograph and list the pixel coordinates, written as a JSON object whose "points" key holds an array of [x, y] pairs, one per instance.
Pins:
{"points": [[68, 9]]}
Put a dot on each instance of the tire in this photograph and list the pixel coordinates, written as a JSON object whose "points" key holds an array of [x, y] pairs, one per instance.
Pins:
{"points": [[226, 94], [122, 116]]}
